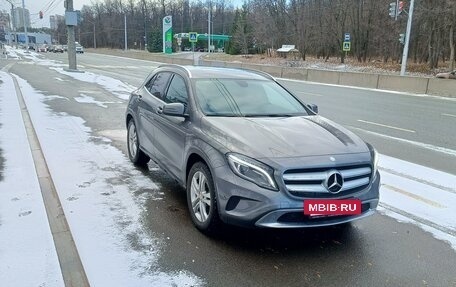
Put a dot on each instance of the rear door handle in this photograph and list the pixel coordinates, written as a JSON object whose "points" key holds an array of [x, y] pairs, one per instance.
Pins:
{"points": [[160, 110]]}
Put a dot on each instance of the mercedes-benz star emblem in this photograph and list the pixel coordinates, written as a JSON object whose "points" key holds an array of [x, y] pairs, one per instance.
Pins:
{"points": [[334, 182]]}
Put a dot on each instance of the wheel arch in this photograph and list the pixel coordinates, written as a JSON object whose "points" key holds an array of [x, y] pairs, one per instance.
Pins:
{"points": [[128, 118], [194, 157]]}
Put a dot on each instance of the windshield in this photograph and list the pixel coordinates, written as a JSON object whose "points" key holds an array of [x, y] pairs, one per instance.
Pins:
{"points": [[245, 98]]}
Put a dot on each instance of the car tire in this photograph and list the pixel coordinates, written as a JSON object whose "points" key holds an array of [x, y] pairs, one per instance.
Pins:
{"points": [[202, 199], [136, 155]]}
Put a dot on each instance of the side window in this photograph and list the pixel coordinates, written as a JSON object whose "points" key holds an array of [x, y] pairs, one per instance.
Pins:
{"points": [[158, 84], [177, 91]]}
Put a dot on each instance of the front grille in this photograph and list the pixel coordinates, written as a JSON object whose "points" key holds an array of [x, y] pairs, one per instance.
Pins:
{"points": [[311, 182]]}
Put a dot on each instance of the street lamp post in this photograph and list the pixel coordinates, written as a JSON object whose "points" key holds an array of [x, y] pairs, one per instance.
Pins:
{"points": [[25, 25], [94, 37], [13, 24], [94, 32], [209, 29]]}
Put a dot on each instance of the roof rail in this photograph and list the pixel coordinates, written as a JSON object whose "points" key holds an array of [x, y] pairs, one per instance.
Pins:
{"points": [[180, 67], [261, 73]]}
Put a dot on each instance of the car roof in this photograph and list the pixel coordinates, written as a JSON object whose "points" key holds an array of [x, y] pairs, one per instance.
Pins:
{"points": [[201, 72]]}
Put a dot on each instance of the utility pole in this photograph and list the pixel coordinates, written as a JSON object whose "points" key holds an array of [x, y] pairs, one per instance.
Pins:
{"points": [[125, 27], [72, 65], [407, 39], [397, 10], [209, 29], [94, 37], [25, 26]]}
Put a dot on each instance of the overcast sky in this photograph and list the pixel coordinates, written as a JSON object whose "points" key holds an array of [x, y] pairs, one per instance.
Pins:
{"points": [[35, 6]]}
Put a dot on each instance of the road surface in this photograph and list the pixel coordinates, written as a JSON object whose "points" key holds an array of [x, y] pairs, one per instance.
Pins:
{"points": [[377, 251]]}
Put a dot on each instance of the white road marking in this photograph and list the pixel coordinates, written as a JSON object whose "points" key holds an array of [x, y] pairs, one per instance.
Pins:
{"points": [[414, 196], [449, 115], [443, 150], [419, 195], [386, 126], [310, 94]]}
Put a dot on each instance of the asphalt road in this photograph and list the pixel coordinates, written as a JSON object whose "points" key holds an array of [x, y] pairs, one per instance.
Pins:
{"points": [[377, 251]]}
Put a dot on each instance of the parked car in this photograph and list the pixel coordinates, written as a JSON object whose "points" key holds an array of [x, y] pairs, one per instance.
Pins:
{"points": [[247, 151], [42, 49], [50, 48], [65, 48], [58, 49], [79, 49], [448, 75]]}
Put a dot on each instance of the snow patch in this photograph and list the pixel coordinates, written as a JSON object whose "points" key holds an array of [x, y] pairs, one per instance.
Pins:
{"points": [[89, 100], [118, 88], [102, 196], [425, 194], [27, 253]]}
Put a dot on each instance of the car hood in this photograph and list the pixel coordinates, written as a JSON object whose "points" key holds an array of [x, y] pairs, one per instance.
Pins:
{"points": [[282, 136]]}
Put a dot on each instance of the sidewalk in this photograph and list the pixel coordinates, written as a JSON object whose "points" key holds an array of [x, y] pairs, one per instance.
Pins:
{"points": [[27, 253]]}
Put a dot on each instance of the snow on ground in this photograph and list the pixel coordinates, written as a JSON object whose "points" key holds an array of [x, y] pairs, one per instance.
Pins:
{"points": [[27, 252], [84, 99], [35, 57], [102, 196], [424, 196], [118, 88]]}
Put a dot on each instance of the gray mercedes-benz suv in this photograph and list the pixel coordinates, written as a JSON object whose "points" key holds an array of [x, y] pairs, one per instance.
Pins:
{"points": [[248, 151]]}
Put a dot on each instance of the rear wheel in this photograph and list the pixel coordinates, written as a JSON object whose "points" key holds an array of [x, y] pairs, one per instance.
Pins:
{"points": [[136, 155], [202, 200]]}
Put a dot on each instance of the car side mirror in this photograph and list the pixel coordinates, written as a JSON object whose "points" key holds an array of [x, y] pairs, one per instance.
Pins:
{"points": [[174, 110], [313, 107]]}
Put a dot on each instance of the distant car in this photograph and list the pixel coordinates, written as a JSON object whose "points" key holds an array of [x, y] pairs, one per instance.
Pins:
{"points": [[79, 49], [449, 75], [50, 48], [65, 48], [58, 49], [187, 49], [31, 48]]}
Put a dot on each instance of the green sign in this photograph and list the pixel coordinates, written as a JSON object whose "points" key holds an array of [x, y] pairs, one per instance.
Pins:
{"points": [[168, 35], [192, 37], [346, 46]]}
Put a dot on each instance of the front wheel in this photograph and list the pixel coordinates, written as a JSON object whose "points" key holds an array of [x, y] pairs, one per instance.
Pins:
{"points": [[136, 155], [202, 200]]}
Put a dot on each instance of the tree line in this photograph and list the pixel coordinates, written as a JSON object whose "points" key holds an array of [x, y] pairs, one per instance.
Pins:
{"points": [[316, 27]]}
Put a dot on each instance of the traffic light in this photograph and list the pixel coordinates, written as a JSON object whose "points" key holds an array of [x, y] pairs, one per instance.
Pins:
{"points": [[402, 38], [400, 8], [41, 14], [392, 10]]}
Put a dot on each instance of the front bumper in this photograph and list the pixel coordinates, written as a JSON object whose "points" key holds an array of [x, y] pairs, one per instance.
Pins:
{"points": [[243, 203]]}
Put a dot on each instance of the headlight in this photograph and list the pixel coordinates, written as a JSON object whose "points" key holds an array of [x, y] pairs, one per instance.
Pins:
{"points": [[252, 170], [374, 155]]}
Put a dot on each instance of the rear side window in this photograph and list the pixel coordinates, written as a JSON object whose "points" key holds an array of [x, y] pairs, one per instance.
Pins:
{"points": [[177, 91], [156, 86]]}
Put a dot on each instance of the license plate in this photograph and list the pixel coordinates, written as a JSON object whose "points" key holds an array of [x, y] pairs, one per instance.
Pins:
{"points": [[330, 207]]}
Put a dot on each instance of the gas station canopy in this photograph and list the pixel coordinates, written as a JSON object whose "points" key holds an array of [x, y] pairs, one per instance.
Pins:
{"points": [[202, 37]]}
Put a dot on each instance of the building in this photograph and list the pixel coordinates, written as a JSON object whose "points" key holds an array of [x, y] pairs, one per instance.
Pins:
{"points": [[18, 17], [4, 25], [34, 38], [55, 20]]}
